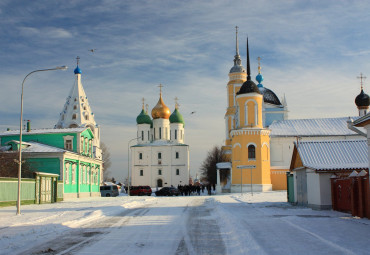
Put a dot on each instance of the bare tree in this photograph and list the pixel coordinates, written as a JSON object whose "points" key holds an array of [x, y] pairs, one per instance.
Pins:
{"points": [[106, 160], [9, 166], [208, 167]]}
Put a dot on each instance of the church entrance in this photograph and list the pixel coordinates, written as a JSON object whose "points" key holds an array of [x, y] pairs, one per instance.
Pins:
{"points": [[159, 183]]}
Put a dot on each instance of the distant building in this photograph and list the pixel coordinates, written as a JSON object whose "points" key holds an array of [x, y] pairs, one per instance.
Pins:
{"points": [[161, 158], [259, 134]]}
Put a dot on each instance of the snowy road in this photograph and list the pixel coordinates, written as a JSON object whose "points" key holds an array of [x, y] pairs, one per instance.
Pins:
{"points": [[227, 224]]}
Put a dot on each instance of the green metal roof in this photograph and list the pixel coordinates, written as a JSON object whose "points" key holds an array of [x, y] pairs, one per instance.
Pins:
{"points": [[176, 117]]}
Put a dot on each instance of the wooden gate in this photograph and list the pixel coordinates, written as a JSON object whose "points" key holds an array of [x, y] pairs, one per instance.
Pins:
{"points": [[301, 176], [341, 194], [46, 188]]}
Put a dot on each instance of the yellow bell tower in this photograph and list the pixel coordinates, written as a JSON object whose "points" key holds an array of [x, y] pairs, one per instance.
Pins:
{"points": [[248, 141], [237, 76]]}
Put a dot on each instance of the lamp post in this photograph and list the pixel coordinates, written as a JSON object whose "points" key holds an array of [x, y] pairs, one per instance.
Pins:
{"points": [[128, 163], [20, 135]]}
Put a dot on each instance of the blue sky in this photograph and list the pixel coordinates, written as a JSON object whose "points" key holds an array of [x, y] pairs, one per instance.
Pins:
{"points": [[312, 51]]}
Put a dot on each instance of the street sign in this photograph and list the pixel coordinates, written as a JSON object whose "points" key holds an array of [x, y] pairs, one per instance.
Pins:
{"points": [[246, 166]]}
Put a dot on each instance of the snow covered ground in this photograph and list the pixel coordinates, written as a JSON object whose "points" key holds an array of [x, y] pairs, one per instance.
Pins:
{"points": [[221, 224]]}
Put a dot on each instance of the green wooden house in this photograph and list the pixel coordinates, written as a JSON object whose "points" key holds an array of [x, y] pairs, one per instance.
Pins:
{"points": [[67, 152]]}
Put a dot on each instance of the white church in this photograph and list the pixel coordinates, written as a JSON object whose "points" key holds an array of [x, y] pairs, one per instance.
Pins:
{"points": [[160, 158]]}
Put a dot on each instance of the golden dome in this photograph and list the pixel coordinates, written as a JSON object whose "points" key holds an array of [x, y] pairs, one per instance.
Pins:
{"points": [[161, 111]]}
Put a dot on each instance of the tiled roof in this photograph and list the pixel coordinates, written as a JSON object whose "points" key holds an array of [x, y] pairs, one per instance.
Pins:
{"points": [[334, 155], [311, 127], [44, 131]]}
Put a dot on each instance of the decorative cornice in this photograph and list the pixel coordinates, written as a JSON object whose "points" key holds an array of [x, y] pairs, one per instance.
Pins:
{"points": [[250, 131]]}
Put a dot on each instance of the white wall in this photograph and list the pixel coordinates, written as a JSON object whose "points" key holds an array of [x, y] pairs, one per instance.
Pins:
{"points": [[168, 164]]}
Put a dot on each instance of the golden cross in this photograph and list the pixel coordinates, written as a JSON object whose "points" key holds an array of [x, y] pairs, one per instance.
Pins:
{"points": [[160, 88], [143, 100], [176, 103], [361, 77], [259, 64]]}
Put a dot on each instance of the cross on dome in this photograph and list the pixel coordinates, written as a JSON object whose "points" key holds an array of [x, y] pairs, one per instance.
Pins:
{"points": [[160, 88], [361, 77], [176, 103]]}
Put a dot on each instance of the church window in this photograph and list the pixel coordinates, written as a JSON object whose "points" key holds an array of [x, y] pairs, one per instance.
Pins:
{"points": [[86, 146], [142, 135], [88, 175], [159, 171], [251, 152], [159, 155], [66, 178], [141, 172], [175, 134], [75, 107], [148, 135], [177, 171], [160, 133], [68, 145], [76, 99], [256, 114], [177, 154], [73, 174], [246, 115], [85, 107], [74, 116], [140, 155], [86, 117], [154, 133]]}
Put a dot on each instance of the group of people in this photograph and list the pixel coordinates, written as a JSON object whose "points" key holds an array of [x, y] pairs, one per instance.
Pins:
{"points": [[188, 190]]}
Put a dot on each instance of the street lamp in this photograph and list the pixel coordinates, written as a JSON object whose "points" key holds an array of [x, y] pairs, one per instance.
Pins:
{"points": [[20, 135], [128, 163]]}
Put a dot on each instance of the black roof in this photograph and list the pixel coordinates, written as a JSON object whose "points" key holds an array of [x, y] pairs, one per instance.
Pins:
{"points": [[269, 96], [362, 99], [248, 87]]}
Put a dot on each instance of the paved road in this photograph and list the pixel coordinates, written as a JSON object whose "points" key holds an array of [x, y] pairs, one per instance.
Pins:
{"points": [[214, 225]]}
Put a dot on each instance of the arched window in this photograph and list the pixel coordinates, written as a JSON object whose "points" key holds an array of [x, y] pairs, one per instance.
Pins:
{"points": [[251, 152], [74, 116], [75, 107]]}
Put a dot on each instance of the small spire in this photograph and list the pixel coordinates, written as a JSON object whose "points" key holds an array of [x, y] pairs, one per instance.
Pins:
{"points": [[237, 42], [143, 100], [176, 103], [248, 64], [259, 64], [362, 78]]}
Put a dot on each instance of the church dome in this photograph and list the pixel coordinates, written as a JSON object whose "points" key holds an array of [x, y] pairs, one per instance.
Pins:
{"points": [[269, 96], [176, 117], [77, 70], [161, 111], [237, 69], [259, 78], [143, 118], [362, 100], [248, 87]]}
